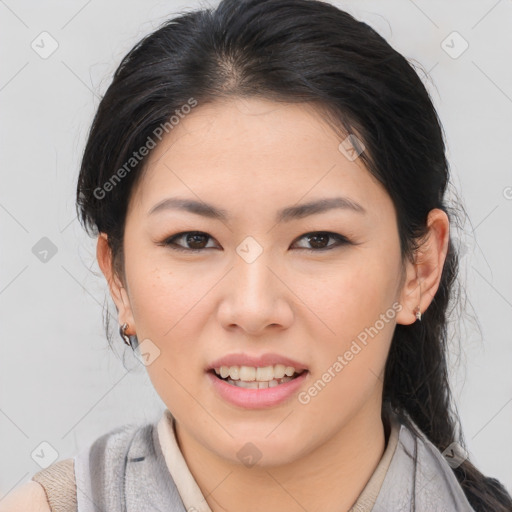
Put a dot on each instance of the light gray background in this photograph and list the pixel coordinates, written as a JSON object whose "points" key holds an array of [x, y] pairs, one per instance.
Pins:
{"points": [[60, 383]]}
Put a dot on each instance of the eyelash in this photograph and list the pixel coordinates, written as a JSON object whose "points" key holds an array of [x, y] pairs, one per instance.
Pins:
{"points": [[169, 242]]}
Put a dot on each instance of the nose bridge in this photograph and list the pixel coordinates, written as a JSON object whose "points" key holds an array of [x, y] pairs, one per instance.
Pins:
{"points": [[252, 297], [255, 296], [253, 278]]}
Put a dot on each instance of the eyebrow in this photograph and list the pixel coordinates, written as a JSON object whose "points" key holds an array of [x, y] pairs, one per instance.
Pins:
{"points": [[283, 215]]}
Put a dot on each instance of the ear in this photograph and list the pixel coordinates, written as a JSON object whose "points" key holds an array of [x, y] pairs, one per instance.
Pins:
{"points": [[117, 290], [424, 275]]}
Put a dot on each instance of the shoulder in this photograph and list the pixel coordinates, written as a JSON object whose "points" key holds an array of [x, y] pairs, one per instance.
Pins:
{"points": [[115, 444], [29, 497], [108, 450], [419, 473], [126, 465], [107, 460], [435, 481]]}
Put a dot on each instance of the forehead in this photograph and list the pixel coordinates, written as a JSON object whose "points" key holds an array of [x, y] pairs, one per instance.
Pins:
{"points": [[254, 153]]}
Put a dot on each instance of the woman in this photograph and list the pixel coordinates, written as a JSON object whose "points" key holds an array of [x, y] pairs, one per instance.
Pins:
{"points": [[267, 180]]}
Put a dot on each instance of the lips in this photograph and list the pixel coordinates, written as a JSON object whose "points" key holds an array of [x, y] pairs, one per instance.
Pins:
{"points": [[260, 361], [256, 398]]}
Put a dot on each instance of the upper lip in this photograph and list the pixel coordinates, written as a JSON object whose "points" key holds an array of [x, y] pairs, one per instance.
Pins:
{"points": [[260, 361]]}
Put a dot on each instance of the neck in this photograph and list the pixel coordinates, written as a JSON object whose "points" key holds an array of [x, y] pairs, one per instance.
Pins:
{"points": [[329, 478]]}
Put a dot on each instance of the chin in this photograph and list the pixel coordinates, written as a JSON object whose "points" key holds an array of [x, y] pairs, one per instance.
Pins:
{"points": [[259, 449]]}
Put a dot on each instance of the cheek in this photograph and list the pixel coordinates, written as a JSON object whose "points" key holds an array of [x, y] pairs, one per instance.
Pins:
{"points": [[167, 310], [349, 368], [349, 297], [355, 307], [163, 301]]}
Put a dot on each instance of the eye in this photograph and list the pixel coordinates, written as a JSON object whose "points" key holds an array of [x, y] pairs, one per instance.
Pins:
{"points": [[318, 239], [195, 238]]}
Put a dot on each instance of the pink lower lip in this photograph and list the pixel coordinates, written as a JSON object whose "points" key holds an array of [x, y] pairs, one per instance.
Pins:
{"points": [[256, 398]]}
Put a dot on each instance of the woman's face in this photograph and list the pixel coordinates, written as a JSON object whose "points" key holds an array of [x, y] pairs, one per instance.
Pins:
{"points": [[256, 286]]}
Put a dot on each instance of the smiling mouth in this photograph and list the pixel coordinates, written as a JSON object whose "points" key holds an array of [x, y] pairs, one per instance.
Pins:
{"points": [[257, 378]]}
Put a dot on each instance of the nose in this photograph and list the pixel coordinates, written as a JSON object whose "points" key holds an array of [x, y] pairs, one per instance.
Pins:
{"points": [[255, 297]]}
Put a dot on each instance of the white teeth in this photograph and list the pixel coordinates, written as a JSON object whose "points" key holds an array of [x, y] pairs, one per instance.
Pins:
{"points": [[279, 370], [260, 374], [250, 385], [265, 374], [258, 385], [247, 373], [289, 371]]}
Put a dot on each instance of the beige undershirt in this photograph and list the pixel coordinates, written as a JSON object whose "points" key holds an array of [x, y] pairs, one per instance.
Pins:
{"points": [[193, 498]]}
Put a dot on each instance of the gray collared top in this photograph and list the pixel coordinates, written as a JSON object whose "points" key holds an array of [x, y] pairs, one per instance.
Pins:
{"points": [[125, 471]]}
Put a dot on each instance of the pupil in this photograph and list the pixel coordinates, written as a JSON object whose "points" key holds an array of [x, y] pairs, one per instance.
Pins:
{"points": [[321, 236], [189, 237]]}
